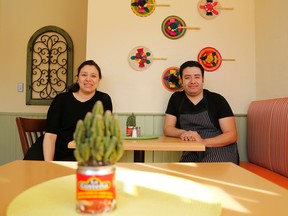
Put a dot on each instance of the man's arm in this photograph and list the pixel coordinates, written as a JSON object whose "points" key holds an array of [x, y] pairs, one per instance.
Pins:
{"points": [[227, 125], [169, 127], [228, 136]]}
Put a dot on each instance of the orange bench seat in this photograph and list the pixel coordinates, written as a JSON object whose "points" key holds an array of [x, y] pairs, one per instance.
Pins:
{"points": [[266, 173]]}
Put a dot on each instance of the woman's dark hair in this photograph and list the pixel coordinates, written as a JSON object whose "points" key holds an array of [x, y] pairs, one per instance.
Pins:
{"points": [[75, 86], [191, 64]]}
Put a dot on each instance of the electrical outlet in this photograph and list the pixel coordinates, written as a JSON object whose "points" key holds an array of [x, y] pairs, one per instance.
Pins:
{"points": [[20, 87]]}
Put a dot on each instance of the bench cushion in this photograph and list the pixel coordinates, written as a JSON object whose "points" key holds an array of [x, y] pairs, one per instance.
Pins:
{"points": [[267, 134]]}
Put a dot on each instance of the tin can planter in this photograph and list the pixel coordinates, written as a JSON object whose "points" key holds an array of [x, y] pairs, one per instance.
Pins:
{"points": [[129, 131], [96, 189]]}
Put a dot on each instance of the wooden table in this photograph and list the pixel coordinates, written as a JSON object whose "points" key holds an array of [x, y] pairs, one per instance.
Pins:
{"points": [[242, 193], [163, 143]]}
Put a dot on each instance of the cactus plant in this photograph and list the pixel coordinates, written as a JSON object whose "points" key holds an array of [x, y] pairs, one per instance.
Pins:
{"points": [[131, 120], [98, 138]]}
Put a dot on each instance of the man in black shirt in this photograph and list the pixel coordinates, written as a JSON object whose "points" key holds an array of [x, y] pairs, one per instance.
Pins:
{"points": [[200, 115]]}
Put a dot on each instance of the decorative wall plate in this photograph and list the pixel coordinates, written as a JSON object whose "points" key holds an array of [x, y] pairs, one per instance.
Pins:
{"points": [[171, 79], [140, 58], [210, 58], [173, 27], [210, 9], [143, 8]]}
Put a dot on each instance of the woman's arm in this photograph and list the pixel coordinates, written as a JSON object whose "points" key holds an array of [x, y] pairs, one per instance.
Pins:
{"points": [[49, 143]]}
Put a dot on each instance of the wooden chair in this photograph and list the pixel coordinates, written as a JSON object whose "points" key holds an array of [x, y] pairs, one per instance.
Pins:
{"points": [[29, 130]]}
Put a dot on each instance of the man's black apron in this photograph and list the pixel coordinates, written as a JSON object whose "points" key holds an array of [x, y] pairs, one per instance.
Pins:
{"points": [[201, 122]]}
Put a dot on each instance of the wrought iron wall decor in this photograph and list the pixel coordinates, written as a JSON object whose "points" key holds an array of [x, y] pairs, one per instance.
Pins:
{"points": [[49, 65]]}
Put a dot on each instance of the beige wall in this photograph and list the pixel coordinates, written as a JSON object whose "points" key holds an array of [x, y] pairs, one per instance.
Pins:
{"points": [[255, 35], [19, 20], [271, 48], [113, 31]]}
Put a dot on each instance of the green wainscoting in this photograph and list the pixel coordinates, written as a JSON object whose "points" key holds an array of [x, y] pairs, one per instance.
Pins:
{"points": [[151, 124]]}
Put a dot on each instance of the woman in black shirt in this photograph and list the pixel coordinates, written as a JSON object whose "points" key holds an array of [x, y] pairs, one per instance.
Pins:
{"points": [[64, 112]]}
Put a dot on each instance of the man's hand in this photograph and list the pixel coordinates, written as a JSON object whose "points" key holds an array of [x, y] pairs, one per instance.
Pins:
{"points": [[191, 136]]}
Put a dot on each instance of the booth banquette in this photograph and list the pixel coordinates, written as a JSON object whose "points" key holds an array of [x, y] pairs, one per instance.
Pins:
{"points": [[267, 140]]}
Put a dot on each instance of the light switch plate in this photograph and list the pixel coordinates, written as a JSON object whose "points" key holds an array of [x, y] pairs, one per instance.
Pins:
{"points": [[20, 87]]}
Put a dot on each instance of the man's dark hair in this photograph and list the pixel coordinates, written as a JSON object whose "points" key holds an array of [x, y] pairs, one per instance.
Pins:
{"points": [[191, 64]]}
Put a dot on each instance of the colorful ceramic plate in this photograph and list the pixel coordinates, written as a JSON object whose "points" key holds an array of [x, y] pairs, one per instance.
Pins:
{"points": [[143, 8], [171, 79], [209, 9], [171, 27], [139, 58], [210, 58]]}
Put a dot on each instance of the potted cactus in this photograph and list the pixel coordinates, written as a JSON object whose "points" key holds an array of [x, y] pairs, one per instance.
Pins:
{"points": [[99, 146], [130, 124]]}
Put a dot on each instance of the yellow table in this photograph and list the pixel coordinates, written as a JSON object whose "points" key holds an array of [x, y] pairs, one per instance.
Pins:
{"points": [[241, 192], [162, 143]]}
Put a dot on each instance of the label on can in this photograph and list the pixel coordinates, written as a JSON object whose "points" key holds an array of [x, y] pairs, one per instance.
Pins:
{"points": [[129, 130], [96, 192]]}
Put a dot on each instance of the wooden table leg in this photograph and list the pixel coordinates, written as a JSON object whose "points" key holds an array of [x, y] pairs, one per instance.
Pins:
{"points": [[139, 156]]}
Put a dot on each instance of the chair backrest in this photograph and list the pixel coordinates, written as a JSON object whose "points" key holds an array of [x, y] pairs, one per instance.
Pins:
{"points": [[29, 130]]}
